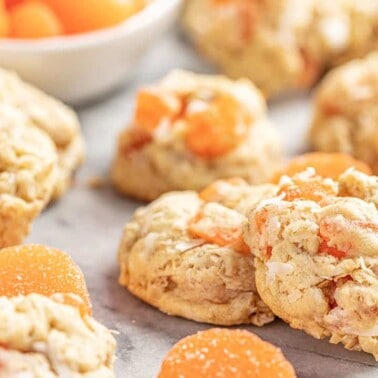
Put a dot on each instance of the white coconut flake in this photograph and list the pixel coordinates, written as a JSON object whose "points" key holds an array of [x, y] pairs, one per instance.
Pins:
{"points": [[149, 242], [294, 296], [371, 332], [278, 269], [196, 106], [39, 347], [186, 246], [336, 32], [164, 130]]}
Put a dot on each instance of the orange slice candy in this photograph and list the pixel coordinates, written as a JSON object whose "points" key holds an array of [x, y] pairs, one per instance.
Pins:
{"points": [[225, 353], [33, 19], [38, 269], [218, 129], [330, 165]]}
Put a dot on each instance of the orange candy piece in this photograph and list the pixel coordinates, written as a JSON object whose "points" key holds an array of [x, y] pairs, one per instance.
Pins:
{"points": [[229, 233], [80, 16], [225, 353], [218, 129], [153, 107], [312, 189], [331, 250], [38, 269], [330, 165], [33, 19]]}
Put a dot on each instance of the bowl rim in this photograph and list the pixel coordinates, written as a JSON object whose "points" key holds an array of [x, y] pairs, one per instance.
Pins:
{"points": [[142, 19]]}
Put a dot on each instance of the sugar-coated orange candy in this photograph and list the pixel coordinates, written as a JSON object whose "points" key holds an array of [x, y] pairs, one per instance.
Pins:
{"points": [[33, 19], [153, 107], [330, 165], [38, 269], [86, 15], [225, 353], [218, 129]]}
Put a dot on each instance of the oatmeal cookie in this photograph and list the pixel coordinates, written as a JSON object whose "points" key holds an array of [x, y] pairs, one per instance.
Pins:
{"points": [[346, 111], [28, 174], [190, 130], [281, 45], [42, 338], [51, 116], [316, 248], [186, 257]]}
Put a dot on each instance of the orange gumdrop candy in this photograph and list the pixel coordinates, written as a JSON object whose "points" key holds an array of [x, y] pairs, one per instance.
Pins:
{"points": [[85, 15], [225, 353], [218, 129], [33, 19], [327, 165], [153, 107], [38, 269]]}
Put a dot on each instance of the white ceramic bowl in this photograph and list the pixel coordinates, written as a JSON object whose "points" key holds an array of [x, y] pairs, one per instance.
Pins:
{"points": [[81, 67]]}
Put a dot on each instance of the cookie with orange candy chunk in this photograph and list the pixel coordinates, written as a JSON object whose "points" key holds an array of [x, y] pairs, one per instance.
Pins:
{"points": [[326, 164], [190, 130], [45, 312], [225, 353], [281, 45], [346, 111], [51, 116], [316, 248], [187, 257], [28, 174]]}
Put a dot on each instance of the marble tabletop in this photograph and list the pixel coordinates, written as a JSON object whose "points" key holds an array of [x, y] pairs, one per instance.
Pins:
{"points": [[88, 223]]}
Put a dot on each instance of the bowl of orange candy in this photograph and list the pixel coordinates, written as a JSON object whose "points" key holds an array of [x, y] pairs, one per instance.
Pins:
{"points": [[79, 50]]}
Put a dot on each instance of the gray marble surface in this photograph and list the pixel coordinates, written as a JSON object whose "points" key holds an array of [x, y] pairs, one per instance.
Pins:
{"points": [[88, 223]]}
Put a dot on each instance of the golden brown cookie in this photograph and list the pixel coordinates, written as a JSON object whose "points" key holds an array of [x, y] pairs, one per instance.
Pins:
{"points": [[186, 257], [51, 116], [316, 248], [346, 111], [190, 130], [42, 338], [28, 174], [281, 44]]}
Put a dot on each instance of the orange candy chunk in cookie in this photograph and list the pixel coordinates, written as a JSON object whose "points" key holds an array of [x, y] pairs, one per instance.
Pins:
{"points": [[313, 188], [216, 130], [33, 19], [225, 353], [221, 226], [38, 269], [80, 16], [154, 107], [330, 165]]}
